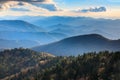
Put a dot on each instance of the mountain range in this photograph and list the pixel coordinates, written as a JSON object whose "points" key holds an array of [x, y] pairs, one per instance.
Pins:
{"points": [[80, 25], [46, 30], [80, 44], [18, 33]]}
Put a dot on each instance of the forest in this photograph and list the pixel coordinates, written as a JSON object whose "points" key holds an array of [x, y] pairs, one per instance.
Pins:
{"points": [[25, 64]]}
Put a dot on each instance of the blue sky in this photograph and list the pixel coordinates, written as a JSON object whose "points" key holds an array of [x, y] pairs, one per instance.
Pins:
{"points": [[70, 4]]}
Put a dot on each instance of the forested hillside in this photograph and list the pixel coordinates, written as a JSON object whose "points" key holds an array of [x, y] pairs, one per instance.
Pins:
{"points": [[91, 66], [20, 60]]}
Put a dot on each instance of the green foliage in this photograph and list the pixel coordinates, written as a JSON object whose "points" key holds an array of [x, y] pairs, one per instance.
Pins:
{"points": [[91, 66], [19, 60]]}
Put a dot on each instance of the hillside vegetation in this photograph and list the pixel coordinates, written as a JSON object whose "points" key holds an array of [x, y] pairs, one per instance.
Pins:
{"points": [[24, 64], [20, 60]]}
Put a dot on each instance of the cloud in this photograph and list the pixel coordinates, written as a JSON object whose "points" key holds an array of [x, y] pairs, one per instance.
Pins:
{"points": [[96, 9], [50, 7], [30, 1], [21, 7], [45, 4]]}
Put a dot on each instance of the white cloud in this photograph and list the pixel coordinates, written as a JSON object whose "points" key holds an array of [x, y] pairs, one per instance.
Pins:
{"points": [[29, 1], [45, 4], [95, 9], [50, 6], [15, 8]]}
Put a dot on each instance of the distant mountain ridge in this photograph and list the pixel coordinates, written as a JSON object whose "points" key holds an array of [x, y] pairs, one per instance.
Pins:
{"points": [[18, 25], [41, 37], [22, 31], [85, 25], [80, 44], [7, 44]]}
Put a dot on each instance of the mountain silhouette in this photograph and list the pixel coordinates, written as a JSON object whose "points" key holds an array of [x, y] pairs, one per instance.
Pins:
{"points": [[80, 44]]}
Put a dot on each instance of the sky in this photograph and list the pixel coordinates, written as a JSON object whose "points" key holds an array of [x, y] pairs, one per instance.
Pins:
{"points": [[88, 8]]}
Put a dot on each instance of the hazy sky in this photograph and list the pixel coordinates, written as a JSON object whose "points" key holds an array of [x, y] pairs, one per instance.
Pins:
{"points": [[90, 8], [87, 3]]}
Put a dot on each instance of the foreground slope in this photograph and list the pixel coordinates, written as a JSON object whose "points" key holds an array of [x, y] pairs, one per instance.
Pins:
{"points": [[14, 61], [80, 44], [91, 66]]}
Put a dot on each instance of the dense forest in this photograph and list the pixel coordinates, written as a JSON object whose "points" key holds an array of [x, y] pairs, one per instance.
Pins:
{"points": [[25, 64], [14, 61]]}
